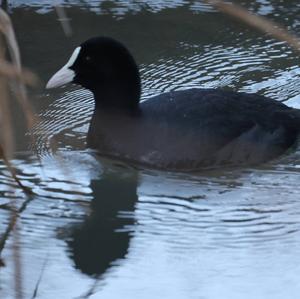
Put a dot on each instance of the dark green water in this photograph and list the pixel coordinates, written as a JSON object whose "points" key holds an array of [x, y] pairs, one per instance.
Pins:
{"points": [[100, 230]]}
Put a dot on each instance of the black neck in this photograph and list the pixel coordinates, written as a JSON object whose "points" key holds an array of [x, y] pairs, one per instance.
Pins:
{"points": [[123, 95]]}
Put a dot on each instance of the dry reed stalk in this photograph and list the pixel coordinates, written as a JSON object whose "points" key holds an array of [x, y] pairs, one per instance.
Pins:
{"points": [[27, 190], [258, 22], [18, 278], [19, 88], [64, 20], [6, 140], [12, 72]]}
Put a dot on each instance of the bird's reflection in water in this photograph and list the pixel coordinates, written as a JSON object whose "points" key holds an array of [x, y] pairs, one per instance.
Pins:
{"points": [[101, 239]]}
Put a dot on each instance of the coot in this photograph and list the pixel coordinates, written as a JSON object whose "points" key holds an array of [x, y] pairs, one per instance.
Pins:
{"points": [[180, 130]]}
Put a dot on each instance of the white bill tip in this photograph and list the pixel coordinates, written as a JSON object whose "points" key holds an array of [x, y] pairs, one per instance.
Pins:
{"points": [[65, 74]]}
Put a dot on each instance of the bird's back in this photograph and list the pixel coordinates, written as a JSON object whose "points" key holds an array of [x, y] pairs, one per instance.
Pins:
{"points": [[196, 128]]}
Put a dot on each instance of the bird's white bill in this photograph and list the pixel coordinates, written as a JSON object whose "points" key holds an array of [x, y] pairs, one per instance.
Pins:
{"points": [[65, 74]]}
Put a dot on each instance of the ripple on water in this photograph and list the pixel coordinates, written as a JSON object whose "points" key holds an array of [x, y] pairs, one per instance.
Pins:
{"points": [[117, 8], [261, 210], [222, 234]]}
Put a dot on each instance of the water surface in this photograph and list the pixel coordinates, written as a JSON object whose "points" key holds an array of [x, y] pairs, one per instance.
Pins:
{"points": [[98, 229]]}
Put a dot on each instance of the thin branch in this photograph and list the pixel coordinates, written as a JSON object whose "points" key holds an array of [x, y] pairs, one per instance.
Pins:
{"points": [[12, 222], [17, 262], [91, 290], [26, 190], [35, 292], [7, 29], [11, 72], [64, 20], [258, 22]]}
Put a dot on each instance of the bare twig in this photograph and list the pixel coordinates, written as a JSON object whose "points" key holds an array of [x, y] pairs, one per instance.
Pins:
{"points": [[13, 220], [91, 290], [26, 190], [9, 228], [14, 73], [258, 22], [17, 261], [35, 292], [11, 72], [16, 246], [64, 20], [7, 29]]}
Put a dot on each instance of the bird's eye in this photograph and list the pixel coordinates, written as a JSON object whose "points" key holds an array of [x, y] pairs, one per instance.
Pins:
{"points": [[87, 58]]}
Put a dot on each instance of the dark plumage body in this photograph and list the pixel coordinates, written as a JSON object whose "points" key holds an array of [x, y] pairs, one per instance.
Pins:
{"points": [[195, 129], [180, 130]]}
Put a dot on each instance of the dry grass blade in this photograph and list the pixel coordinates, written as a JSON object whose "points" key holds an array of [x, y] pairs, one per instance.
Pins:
{"points": [[257, 22], [64, 20], [5, 121], [35, 292], [7, 29], [17, 257], [13, 173], [91, 290], [12, 222], [11, 73], [17, 263]]}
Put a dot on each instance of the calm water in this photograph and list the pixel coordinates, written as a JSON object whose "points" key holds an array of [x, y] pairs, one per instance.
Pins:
{"points": [[97, 229]]}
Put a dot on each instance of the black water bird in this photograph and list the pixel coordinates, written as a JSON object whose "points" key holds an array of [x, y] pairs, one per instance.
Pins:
{"points": [[179, 130]]}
